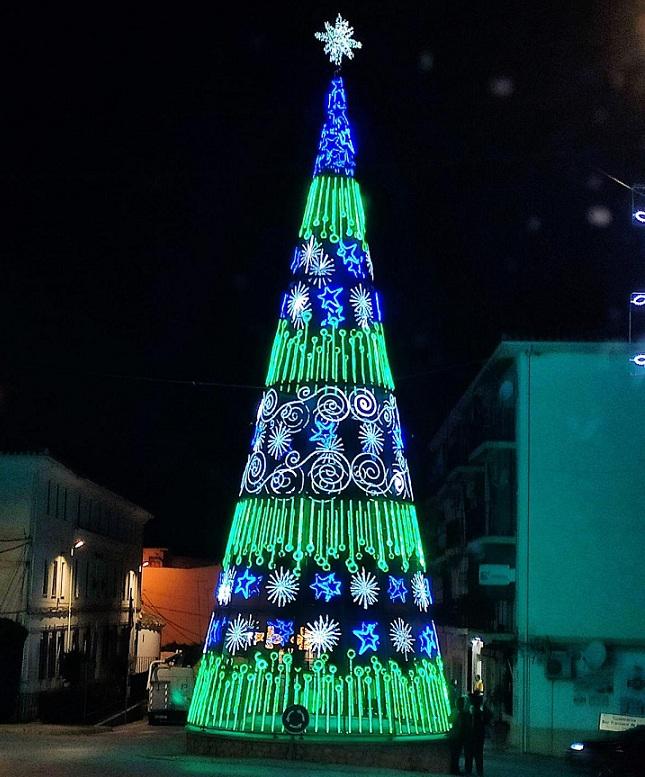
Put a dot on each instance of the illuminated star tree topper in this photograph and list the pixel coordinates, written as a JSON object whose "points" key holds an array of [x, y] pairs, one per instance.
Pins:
{"points": [[339, 41]]}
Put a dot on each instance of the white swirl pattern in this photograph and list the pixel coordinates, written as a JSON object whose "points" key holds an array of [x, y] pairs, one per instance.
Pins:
{"points": [[328, 455]]}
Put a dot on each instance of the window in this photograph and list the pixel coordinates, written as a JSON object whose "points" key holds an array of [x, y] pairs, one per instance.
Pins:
{"points": [[62, 579], [42, 655], [51, 655], [64, 504], [58, 500], [49, 497], [54, 589], [45, 577], [77, 587]]}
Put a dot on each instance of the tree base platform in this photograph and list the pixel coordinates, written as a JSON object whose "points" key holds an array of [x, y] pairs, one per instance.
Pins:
{"points": [[421, 753]]}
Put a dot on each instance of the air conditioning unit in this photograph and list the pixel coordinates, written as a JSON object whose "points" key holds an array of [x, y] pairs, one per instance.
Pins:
{"points": [[559, 665]]}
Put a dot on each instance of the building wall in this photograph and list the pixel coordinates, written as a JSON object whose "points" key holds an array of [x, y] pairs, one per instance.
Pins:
{"points": [[183, 598], [52, 508], [580, 536]]}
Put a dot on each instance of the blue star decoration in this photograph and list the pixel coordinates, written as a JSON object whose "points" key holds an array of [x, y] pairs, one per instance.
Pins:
{"points": [[396, 589], [353, 263], [324, 432], [282, 630], [428, 640], [326, 586], [248, 584], [329, 302], [215, 631], [368, 637]]}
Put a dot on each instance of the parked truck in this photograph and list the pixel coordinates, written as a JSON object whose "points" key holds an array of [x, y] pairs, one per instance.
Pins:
{"points": [[170, 689]]}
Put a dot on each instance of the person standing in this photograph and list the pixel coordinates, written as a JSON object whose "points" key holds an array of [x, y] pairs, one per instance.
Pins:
{"points": [[474, 746], [459, 734], [478, 685]]}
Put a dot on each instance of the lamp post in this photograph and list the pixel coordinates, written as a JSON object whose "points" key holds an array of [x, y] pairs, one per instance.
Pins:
{"points": [[78, 544]]}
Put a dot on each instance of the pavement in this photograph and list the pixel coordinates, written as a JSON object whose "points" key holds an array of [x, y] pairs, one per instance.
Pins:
{"points": [[139, 750]]}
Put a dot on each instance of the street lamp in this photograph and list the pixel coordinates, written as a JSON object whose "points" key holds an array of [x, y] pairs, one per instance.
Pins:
{"points": [[78, 544]]}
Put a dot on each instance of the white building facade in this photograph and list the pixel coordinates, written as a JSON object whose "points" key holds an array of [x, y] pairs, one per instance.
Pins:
{"points": [[70, 556], [539, 581]]}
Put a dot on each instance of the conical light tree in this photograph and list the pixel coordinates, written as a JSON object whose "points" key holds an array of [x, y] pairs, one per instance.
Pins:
{"points": [[323, 599]]}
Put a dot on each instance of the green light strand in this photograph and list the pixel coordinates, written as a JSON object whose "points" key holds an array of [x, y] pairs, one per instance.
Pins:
{"points": [[396, 701], [334, 209], [264, 530], [356, 356]]}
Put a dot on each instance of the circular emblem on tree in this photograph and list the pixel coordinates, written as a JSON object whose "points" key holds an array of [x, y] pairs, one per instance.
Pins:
{"points": [[295, 719]]}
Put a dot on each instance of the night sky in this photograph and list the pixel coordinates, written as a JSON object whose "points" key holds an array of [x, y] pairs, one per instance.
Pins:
{"points": [[156, 170]]}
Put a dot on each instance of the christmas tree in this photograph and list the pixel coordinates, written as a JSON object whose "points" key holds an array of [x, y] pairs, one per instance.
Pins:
{"points": [[323, 599]]}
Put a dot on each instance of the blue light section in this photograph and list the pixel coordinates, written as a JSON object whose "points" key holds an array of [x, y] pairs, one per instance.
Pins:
{"points": [[248, 584], [368, 637], [324, 433], [326, 586], [329, 302], [336, 153], [282, 630], [428, 641], [353, 263], [396, 589], [215, 631]]}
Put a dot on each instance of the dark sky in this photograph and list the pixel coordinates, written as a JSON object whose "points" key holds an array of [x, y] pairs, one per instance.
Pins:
{"points": [[155, 174]]}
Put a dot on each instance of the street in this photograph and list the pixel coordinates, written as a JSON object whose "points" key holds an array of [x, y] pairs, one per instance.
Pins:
{"points": [[139, 749]]}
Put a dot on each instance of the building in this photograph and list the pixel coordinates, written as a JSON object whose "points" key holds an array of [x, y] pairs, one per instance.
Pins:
{"points": [[538, 572], [180, 592], [69, 578]]}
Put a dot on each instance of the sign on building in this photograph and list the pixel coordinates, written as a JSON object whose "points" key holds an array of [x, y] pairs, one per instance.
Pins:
{"points": [[610, 722], [496, 574]]}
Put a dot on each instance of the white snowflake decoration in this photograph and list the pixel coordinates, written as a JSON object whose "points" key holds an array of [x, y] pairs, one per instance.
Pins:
{"points": [[369, 263], [258, 437], [321, 268], [310, 252], [339, 40], [322, 636], [421, 591], [298, 304], [371, 438], [401, 636], [364, 588], [282, 587], [239, 634], [279, 440], [225, 587], [361, 301]]}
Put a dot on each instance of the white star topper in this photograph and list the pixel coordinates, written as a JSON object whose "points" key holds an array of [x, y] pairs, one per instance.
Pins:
{"points": [[338, 40]]}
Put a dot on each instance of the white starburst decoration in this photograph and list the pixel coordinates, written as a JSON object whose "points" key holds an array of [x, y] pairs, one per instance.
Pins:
{"points": [[225, 587], [322, 635], [361, 301], [298, 304], [311, 251], [421, 591], [370, 264], [282, 587], [321, 269], [279, 440], [401, 636], [239, 634], [339, 40], [371, 438], [364, 588]]}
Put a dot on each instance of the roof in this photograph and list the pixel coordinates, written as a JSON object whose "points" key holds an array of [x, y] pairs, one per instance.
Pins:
{"points": [[510, 350], [44, 457]]}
